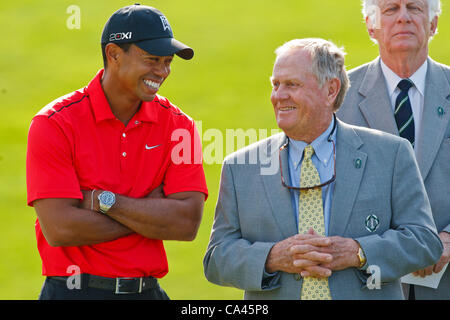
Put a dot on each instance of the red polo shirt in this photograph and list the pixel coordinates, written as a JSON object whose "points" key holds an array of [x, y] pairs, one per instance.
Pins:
{"points": [[76, 143]]}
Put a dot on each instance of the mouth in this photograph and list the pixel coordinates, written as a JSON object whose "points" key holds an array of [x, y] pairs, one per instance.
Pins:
{"points": [[152, 84], [404, 33], [286, 109]]}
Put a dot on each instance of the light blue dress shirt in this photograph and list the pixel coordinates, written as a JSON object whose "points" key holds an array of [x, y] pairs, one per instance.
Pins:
{"points": [[323, 160]]}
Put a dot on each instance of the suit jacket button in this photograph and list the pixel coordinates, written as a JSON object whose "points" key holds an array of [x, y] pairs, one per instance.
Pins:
{"points": [[297, 276]]}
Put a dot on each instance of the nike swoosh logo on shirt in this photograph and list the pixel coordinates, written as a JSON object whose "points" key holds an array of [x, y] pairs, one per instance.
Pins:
{"points": [[152, 147]]}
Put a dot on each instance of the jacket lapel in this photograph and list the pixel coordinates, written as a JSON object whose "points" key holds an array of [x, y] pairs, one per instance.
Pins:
{"points": [[376, 107], [278, 196], [435, 117], [350, 165]]}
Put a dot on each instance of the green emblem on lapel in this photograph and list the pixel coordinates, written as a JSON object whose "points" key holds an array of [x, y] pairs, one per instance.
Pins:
{"points": [[358, 163], [440, 111], [372, 223]]}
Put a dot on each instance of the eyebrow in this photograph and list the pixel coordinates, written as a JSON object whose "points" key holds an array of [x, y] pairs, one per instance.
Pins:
{"points": [[418, 2], [393, 2], [148, 55]]}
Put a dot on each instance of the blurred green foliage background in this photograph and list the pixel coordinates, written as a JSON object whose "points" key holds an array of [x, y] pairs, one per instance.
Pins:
{"points": [[225, 86]]}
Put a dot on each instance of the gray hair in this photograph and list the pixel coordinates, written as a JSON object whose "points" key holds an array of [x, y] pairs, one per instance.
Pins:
{"points": [[370, 9], [328, 62]]}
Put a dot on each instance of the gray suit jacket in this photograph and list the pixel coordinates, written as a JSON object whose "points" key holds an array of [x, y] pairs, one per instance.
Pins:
{"points": [[367, 104], [254, 212]]}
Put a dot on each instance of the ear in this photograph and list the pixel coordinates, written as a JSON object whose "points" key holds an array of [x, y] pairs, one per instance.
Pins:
{"points": [[370, 27], [113, 54], [433, 26], [334, 87]]}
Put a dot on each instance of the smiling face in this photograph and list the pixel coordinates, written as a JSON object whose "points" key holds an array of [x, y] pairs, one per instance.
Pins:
{"points": [[141, 74], [303, 108], [404, 26]]}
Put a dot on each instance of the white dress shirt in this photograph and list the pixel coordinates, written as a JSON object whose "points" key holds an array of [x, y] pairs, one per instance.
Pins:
{"points": [[416, 93]]}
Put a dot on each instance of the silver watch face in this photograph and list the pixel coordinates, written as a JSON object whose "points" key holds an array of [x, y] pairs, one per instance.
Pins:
{"points": [[107, 198]]}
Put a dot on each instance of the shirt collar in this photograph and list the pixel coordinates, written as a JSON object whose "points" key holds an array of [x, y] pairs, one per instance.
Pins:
{"points": [[392, 79], [148, 111], [323, 149], [102, 111]]}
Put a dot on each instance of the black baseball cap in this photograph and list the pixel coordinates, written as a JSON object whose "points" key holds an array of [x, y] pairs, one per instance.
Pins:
{"points": [[147, 28]]}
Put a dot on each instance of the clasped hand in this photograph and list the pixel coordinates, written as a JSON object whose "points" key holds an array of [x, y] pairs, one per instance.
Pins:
{"points": [[312, 255]]}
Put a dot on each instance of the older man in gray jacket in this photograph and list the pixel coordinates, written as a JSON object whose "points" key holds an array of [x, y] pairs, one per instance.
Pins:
{"points": [[406, 93], [343, 204]]}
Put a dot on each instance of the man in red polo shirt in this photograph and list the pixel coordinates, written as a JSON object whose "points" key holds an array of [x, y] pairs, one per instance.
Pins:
{"points": [[105, 173]]}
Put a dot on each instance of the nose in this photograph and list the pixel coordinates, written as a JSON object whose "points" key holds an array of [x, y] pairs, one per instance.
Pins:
{"points": [[279, 93], [162, 70], [404, 15]]}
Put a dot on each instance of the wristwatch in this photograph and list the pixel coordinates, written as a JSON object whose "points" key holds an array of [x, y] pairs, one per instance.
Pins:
{"points": [[106, 200], [362, 258]]}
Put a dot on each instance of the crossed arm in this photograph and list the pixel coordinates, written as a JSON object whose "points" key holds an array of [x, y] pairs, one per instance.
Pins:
{"points": [[71, 222]]}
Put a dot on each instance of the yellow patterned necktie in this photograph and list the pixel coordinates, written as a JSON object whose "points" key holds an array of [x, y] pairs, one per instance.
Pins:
{"points": [[311, 216]]}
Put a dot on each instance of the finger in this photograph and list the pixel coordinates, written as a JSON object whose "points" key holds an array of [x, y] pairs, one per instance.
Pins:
{"points": [[439, 265], [315, 256], [429, 270], [313, 232], [302, 248], [422, 273], [85, 193], [316, 272], [304, 236], [158, 192], [303, 263], [85, 202], [315, 241]]}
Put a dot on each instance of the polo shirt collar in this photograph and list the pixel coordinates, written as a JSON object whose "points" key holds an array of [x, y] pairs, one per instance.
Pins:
{"points": [[148, 111], [100, 106], [102, 110]]}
